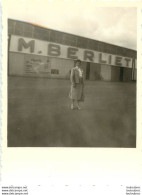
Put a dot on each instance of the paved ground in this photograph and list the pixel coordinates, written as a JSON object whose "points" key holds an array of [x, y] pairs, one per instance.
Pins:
{"points": [[39, 114]]}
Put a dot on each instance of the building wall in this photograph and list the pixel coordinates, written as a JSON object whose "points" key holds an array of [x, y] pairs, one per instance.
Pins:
{"points": [[43, 66], [36, 64], [63, 67], [32, 31], [16, 64], [39, 66], [95, 71]]}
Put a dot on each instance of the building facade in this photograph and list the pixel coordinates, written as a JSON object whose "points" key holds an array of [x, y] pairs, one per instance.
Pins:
{"points": [[41, 52]]}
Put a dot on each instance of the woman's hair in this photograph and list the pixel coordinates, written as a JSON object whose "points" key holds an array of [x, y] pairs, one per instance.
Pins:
{"points": [[77, 61]]}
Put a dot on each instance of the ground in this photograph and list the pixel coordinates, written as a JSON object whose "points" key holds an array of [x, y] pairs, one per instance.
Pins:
{"points": [[39, 114]]}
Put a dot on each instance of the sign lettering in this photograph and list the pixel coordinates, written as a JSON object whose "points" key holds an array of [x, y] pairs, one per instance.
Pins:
{"points": [[22, 43], [71, 53], [118, 61], [44, 48], [101, 61], [54, 50], [88, 55]]}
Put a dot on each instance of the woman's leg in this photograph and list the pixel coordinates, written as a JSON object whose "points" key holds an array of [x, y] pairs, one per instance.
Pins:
{"points": [[78, 106], [72, 104]]}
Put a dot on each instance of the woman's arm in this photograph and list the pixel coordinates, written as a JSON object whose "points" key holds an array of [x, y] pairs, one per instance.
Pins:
{"points": [[83, 76], [72, 78]]}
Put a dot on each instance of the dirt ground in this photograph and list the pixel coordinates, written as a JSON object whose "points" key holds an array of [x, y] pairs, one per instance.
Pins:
{"points": [[39, 114]]}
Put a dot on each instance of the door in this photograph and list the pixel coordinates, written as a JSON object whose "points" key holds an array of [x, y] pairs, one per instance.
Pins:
{"points": [[133, 70], [121, 73], [87, 70]]}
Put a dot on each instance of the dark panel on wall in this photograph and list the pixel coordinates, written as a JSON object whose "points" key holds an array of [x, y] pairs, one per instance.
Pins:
{"points": [[132, 53], [19, 32], [91, 45], [11, 25], [41, 33], [28, 30], [121, 74], [87, 70], [127, 74], [81, 42], [112, 49], [56, 36], [70, 40], [28, 34], [95, 45], [27, 27], [107, 48], [115, 73], [19, 28]]}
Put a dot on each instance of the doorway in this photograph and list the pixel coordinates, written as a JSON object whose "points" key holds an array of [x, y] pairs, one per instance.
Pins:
{"points": [[87, 70], [121, 73], [133, 70]]}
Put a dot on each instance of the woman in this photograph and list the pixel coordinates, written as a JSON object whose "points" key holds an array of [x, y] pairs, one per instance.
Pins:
{"points": [[77, 85]]}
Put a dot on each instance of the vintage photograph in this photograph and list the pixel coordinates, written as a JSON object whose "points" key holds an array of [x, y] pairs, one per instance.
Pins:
{"points": [[72, 77]]}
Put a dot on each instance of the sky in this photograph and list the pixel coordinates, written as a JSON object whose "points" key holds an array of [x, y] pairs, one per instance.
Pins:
{"points": [[115, 25]]}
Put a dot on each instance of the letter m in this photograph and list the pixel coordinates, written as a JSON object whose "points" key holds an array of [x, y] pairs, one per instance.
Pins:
{"points": [[22, 43]]}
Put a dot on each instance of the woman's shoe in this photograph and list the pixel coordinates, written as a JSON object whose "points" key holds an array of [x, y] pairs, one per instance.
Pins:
{"points": [[78, 107], [72, 107]]}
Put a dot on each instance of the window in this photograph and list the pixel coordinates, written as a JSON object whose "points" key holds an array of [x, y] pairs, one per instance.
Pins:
{"points": [[81, 42], [69, 40], [41, 33], [28, 30], [92, 44], [11, 25], [19, 28], [56, 37], [54, 71]]}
